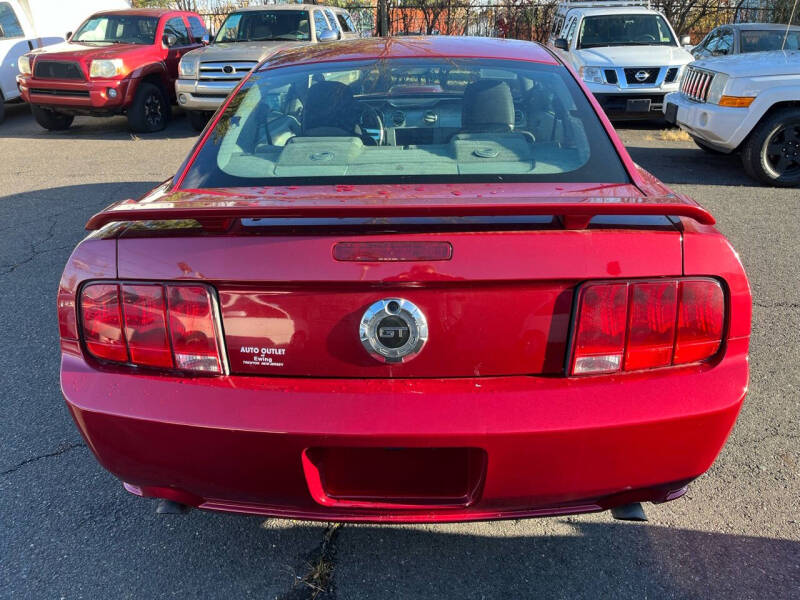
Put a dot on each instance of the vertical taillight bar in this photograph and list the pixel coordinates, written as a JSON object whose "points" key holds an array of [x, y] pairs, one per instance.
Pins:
{"points": [[146, 325], [635, 325], [101, 315], [193, 328]]}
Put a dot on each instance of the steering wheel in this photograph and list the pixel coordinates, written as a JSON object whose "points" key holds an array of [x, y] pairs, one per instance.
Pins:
{"points": [[647, 37], [371, 122]]}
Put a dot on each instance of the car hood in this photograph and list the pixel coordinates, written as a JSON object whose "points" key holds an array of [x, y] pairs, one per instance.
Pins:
{"points": [[78, 51], [634, 56], [242, 50], [755, 64]]}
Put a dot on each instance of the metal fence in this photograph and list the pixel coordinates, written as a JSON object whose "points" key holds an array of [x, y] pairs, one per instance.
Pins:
{"points": [[518, 19]]}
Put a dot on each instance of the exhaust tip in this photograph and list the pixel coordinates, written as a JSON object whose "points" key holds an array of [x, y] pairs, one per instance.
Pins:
{"points": [[170, 507], [629, 512]]}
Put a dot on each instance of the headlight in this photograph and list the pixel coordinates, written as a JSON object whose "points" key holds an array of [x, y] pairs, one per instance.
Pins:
{"points": [[105, 69], [717, 87], [187, 67], [24, 64], [592, 74]]}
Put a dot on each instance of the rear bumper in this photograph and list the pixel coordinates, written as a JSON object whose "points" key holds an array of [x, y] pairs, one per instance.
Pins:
{"points": [[551, 446], [92, 96], [202, 95]]}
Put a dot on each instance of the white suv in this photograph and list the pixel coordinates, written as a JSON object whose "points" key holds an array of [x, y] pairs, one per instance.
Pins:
{"points": [[627, 54], [748, 103]]}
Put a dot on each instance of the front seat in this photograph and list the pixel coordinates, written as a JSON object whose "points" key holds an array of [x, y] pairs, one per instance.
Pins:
{"points": [[330, 110], [488, 107]]}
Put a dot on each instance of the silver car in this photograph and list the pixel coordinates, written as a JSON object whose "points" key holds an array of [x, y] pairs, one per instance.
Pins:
{"points": [[742, 38], [248, 35]]}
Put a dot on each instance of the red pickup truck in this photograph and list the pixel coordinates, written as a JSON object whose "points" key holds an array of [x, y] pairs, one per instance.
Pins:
{"points": [[117, 62]]}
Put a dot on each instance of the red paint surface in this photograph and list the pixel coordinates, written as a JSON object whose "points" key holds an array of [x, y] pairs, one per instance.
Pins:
{"points": [[352, 440]]}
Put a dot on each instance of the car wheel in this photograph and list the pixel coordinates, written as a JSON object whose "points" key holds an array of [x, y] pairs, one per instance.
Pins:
{"points": [[149, 110], [706, 148], [2, 108], [772, 152], [198, 119], [50, 119]]}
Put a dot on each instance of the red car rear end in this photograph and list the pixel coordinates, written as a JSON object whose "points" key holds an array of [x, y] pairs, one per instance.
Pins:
{"points": [[432, 311]]}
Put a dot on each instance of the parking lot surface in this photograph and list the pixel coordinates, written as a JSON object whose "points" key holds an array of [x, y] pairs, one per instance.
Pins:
{"points": [[69, 530]]}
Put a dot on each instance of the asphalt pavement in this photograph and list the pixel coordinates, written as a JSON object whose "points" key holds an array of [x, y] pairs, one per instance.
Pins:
{"points": [[69, 530]]}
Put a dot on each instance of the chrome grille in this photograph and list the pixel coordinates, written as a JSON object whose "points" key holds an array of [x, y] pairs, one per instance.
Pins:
{"points": [[696, 84], [225, 71]]}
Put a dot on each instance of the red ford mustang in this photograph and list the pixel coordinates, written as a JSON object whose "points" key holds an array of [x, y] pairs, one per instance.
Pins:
{"points": [[406, 280]]}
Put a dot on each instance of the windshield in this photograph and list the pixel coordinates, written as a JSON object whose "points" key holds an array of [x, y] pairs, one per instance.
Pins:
{"points": [[266, 25], [119, 29], [625, 30], [407, 120], [9, 25], [766, 40]]}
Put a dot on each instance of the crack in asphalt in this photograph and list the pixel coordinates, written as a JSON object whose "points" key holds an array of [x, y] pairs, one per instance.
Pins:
{"points": [[35, 251], [62, 449], [317, 582]]}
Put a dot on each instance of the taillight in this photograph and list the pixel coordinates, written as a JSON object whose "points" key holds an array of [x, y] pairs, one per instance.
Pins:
{"points": [[191, 322], [169, 326], [634, 325], [102, 322]]}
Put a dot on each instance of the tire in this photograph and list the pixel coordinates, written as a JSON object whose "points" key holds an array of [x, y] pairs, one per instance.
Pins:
{"points": [[708, 149], [50, 119], [198, 119], [771, 154], [149, 111], [2, 108]]}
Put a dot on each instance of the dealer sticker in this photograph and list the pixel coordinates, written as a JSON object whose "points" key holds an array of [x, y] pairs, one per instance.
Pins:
{"points": [[262, 357]]}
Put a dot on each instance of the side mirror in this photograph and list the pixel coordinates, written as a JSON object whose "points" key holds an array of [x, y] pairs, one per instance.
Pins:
{"points": [[170, 39], [686, 41], [328, 36], [561, 44], [69, 35], [206, 39]]}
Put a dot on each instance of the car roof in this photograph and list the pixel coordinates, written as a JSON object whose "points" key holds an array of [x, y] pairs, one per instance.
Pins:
{"points": [[143, 12], [764, 27], [614, 10], [432, 46], [263, 7]]}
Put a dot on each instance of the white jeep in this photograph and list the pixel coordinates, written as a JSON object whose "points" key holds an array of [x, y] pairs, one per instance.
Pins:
{"points": [[627, 54], [747, 103]]}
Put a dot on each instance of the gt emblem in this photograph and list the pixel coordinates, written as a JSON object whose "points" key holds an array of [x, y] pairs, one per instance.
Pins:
{"points": [[228, 69], [641, 76], [393, 330]]}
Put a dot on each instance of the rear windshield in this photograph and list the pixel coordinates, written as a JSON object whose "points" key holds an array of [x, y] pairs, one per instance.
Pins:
{"points": [[265, 26], [766, 40], [625, 30], [118, 29], [407, 120]]}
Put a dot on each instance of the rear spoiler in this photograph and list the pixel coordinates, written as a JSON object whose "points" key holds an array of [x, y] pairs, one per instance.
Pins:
{"points": [[575, 212]]}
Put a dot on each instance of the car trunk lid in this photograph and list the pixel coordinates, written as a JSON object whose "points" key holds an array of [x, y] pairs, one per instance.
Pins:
{"points": [[497, 302]]}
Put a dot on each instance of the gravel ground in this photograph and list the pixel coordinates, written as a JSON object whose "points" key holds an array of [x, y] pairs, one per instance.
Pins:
{"points": [[69, 530]]}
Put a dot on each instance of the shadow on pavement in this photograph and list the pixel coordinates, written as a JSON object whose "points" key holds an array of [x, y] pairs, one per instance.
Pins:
{"points": [[601, 560], [19, 122], [691, 166]]}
